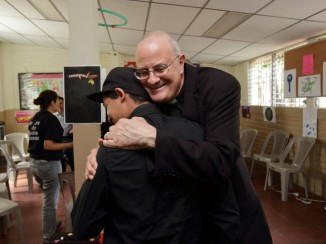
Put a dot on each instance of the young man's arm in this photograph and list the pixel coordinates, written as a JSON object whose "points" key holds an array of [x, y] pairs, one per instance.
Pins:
{"points": [[91, 206]]}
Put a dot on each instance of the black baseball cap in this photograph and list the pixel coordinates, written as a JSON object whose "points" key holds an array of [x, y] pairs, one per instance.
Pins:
{"points": [[120, 77]]}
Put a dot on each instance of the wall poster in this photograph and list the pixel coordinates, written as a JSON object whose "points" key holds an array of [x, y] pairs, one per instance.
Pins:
{"points": [[24, 117], [269, 114], [324, 78], [308, 64], [290, 86], [309, 86], [246, 112], [310, 122], [32, 84], [80, 81]]}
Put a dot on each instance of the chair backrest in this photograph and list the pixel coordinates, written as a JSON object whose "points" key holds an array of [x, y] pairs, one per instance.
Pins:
{"points": [[7, 147], [5, 175], [19, 139], [247, 138], [278, 140], [301, 147]]}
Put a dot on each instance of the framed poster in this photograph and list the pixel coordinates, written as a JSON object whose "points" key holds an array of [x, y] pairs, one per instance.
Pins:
{"points": [[31, 84]]}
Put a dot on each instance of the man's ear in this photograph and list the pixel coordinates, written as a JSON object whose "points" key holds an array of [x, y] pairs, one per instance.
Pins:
{"points": [[182, 62], [121, 93]]}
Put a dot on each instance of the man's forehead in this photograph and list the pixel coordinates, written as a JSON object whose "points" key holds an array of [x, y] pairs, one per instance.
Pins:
{"points": [[151, 61], [153, 54]]}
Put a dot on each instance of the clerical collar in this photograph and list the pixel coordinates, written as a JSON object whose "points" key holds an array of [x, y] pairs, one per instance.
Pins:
{"points": [[173, 101], [179, 98]]}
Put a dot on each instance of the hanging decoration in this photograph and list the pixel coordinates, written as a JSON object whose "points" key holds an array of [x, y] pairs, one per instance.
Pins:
{"points": [[115, 14]]}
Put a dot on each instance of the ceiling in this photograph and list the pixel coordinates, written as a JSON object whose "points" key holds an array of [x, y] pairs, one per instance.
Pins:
{"points": [[267, 25]]}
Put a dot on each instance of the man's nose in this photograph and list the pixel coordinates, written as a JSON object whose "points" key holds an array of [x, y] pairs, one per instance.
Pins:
{"points": [[152, 79]]}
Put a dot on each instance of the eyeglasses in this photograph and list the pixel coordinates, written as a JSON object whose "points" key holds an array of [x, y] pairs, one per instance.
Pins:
{"points": [[158, 70]]}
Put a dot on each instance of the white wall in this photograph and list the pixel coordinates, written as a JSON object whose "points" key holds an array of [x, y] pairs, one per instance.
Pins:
{"points": [[16, 59], [1, 79], [240, 71], [20, 59]]}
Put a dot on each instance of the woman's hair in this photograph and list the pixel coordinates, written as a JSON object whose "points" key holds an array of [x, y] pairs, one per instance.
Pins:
{"points": [[45, 98]]}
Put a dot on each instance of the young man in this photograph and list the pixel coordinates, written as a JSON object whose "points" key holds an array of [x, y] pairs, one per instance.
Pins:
{"points": [[67, 137], [212, 98], [124, 199]]}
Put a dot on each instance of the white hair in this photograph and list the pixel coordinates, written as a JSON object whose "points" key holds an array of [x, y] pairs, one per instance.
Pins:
{"points": [[161, 34]]}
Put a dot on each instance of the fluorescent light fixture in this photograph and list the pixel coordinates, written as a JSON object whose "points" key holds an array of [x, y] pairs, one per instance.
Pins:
{"points": [[225, 24]]}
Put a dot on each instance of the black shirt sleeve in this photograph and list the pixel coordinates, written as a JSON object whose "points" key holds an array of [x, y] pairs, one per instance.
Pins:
{"points": [[91, 206]]}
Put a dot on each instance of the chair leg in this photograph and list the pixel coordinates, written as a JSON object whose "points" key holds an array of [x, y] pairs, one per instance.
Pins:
{"points": [[20, 224], [270, 177], [284, 185], [267, 176], [8, 189], [290, 182], [252, 167], [30, 180], [305, 184], [16, 172]]}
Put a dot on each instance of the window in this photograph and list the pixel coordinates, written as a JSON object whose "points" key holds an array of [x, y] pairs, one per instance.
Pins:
{"points": [[321, 102], [266, 83], [260, 81]]}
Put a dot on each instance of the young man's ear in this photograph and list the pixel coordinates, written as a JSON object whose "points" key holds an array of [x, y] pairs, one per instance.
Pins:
{"points": [[121, 93]]}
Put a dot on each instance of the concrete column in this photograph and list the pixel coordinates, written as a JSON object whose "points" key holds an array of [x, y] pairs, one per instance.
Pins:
{"points": [[83, 50]]}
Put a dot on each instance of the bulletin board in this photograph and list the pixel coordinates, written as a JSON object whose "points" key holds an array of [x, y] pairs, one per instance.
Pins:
{"points": [[307, 62], [32, 84]]}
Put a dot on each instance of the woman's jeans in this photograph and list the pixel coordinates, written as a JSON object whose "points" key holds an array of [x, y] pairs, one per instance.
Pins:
{"points": [[46, 174]]}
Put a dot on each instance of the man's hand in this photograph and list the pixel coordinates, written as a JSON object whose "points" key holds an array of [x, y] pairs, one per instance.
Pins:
{"points": [[91, 164], [131, 134]]}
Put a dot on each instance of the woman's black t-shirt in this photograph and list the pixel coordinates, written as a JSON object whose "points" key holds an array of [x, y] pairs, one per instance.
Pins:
{"points": [[44, 126]]}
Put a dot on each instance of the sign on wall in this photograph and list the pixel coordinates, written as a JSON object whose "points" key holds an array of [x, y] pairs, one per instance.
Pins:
{"points": [[24, 117], [310, 122], [269, 114], [80, 81]]}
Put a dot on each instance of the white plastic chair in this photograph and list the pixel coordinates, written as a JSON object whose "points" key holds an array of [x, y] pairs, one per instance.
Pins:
{"points": [[8, 207], [301, 147], [14, 167], [4, 177], [19, 139], [247, 139], [272, 149]]}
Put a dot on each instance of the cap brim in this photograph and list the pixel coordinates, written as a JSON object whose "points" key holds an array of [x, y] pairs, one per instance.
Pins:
{"points": [[96, 97]]}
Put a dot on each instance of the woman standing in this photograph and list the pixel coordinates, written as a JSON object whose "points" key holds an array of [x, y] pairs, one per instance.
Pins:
{"points": [[45, 148]]}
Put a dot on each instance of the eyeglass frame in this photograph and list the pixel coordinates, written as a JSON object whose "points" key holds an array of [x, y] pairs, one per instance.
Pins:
{"points": [[164, 72]]}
